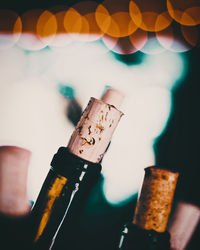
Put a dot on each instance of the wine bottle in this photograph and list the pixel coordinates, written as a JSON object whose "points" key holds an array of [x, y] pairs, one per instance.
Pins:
{"points": [[74, 168], [147, 231], [14, 205]]}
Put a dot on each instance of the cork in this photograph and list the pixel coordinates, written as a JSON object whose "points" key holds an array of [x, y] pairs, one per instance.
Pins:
{"points": [[183, 224], [155, 201], [14, 163], [93, 133], [113, 97]]}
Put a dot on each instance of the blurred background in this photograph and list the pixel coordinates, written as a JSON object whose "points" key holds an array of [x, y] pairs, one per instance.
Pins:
{"points": [[55, 55]]}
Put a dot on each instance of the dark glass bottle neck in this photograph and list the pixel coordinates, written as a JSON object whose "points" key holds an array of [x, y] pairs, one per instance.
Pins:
{"points": [[69, 174], [69, 165], [135, 238]]}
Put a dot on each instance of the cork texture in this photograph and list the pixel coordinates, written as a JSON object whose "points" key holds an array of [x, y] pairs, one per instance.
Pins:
{"points": [[14, 162], [183, 224], [155, 201], [94, 130], [113, 97]]}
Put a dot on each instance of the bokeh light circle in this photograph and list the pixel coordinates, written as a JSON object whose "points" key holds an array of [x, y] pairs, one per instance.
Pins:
{"points": [[114, 19], [10, 28], [73, 21], [121, 25], [184, 12], [103, 18], [139, 38], [46, 27], [152, 46], [110, 42], [126, 45], [88, 13], [95, 32], [172, 39], [61, 38], [29, 40], [191, 34], [120, 45], [87, 29], [149, 20]]}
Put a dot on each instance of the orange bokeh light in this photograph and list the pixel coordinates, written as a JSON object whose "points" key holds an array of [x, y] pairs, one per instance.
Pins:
{"points": [[184, 12], [95, 32], [114, 20], [88, 21], [89, 30], [29, 20], [29, 39], [73, 21], [149, 20], [10, 22], [46, 27], [191, 34], [121, 25], [10, 28], [62, 37], [103, 18]]}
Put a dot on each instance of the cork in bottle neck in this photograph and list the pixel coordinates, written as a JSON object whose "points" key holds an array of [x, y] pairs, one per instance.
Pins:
{"points": [[93, 132], [155, 201]]}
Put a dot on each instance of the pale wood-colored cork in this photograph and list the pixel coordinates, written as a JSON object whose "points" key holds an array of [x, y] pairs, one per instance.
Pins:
{"points": [[155, 201], [182, 226], [113, 97], [94, 130], [14, 162]]}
